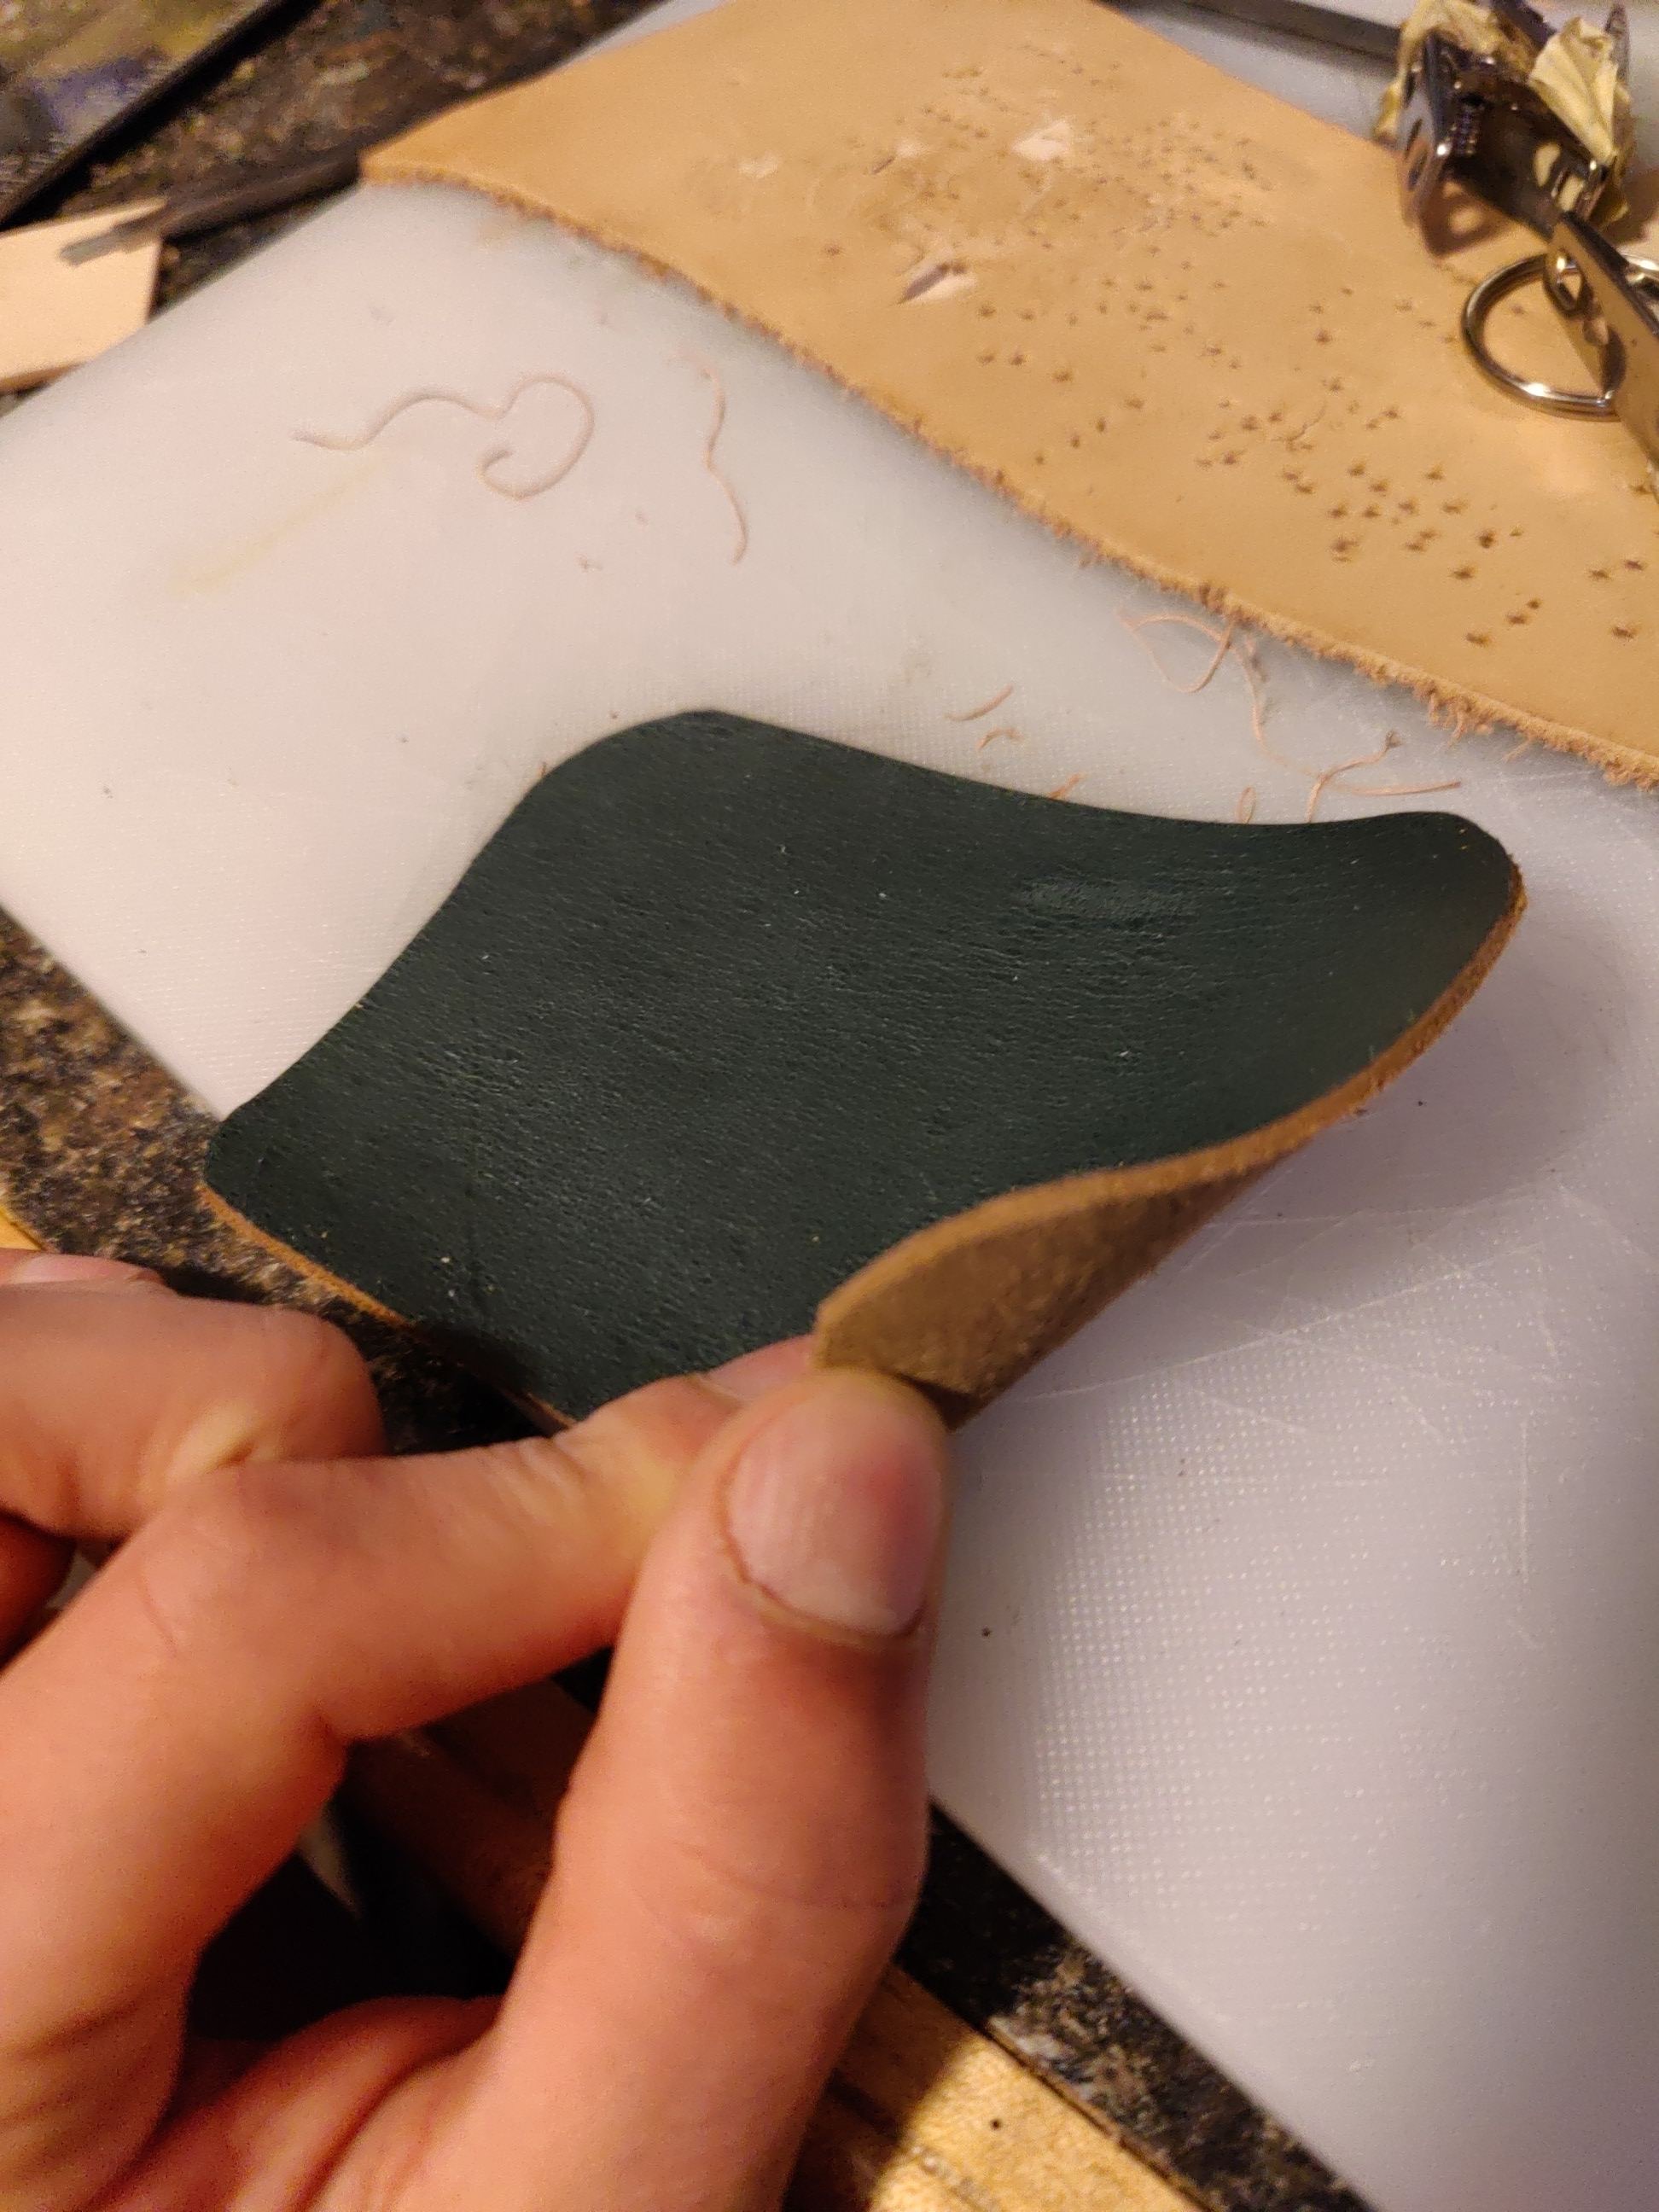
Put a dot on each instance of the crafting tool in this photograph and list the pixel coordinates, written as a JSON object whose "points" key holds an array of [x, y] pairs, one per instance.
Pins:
{"points": [[71, 288], [1298, 19], [1472, 120], [1479, 121], [64, 92], [200, 209], [1302, 1613], [59, 307], [1606, 300]]}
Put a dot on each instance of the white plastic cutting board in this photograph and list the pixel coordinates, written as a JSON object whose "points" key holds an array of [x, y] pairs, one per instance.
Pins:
{"points": [[1303, 1648]]}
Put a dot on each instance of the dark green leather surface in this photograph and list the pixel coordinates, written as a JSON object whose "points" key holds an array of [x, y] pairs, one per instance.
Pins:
{"points": [[723, 1012]]}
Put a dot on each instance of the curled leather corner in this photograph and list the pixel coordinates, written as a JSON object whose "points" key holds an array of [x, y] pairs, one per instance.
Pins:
{"points": [[965, 1307], [962, 1309]]}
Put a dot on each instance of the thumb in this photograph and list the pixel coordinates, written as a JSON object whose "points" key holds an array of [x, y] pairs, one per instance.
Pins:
{"points": [[744, 1836]]}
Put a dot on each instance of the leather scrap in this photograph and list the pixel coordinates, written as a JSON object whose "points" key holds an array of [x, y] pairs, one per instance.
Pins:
{"points": [[1173, 318], [731, 1033]]}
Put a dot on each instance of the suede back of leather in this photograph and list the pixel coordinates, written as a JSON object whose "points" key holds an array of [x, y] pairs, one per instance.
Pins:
{"points": [[722, 1012]]}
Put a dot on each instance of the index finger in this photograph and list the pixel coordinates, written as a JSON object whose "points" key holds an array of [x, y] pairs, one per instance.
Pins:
{"points": [[107, 1404]]}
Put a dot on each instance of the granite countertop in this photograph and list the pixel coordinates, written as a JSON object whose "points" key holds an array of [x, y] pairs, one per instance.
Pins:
{"points": [[100, 1152]]}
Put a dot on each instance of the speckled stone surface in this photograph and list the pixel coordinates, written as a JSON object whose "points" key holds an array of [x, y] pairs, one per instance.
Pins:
{"points": [[100, 1151], [998, 1959]]}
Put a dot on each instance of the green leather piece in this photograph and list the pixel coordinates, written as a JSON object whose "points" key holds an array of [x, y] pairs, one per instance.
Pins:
{"points": [[723, 1012]]}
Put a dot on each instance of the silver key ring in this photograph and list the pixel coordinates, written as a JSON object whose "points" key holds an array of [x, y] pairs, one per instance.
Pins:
{"points": [[1489, 292]]}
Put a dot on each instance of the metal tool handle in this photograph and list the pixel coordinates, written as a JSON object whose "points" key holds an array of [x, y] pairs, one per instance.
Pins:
{"points": [[213, 207], [1300, 19], [1465, 119], [1609, 304]]}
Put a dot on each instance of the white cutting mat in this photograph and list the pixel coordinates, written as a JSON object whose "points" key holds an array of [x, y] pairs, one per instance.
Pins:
{"points": [[1302, 1646]]}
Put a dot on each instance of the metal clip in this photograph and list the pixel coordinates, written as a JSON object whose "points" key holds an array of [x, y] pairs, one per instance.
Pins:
{"points": [[1467, 119], [1609, 305]]}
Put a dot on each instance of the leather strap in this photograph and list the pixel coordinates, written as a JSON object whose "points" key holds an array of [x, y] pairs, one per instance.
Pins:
{"points": [[1169, 315]]}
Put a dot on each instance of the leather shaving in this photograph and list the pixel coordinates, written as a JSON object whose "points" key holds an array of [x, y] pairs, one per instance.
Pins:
{"points": [[1139, 624], [1402, 790], [1244, 652], [977, 713], [486, 413], [739, 516], [1328, 775]]}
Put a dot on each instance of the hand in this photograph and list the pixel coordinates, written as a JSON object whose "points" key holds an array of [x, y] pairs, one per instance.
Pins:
{"points": [[736, 1856]]}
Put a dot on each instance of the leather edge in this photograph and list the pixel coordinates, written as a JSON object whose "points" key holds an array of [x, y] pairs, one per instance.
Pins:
{"points": [[547, 1418]]}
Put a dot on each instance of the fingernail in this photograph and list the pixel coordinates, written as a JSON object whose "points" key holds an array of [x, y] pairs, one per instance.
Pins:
{"points": [[837, 1507], [758, 1372], [42, 1269]]}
